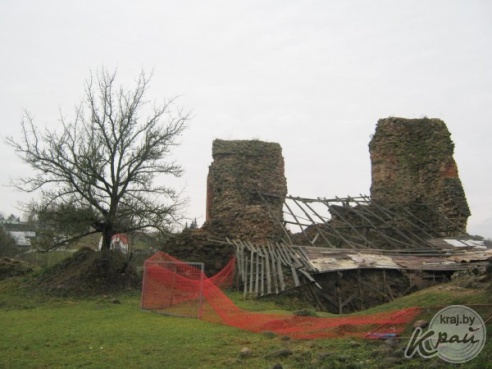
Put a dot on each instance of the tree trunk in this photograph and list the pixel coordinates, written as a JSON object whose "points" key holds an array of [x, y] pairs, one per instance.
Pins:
{"points": [[107, 235]]}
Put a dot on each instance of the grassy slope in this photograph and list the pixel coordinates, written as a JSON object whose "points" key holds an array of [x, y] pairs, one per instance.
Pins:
{"points": [[41, 332]]}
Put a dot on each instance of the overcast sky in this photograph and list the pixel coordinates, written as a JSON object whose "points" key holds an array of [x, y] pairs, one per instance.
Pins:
{"points": [[314, 76]]}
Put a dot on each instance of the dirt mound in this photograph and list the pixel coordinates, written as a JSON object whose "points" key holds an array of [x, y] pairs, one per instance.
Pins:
{"points": [[88, 273], [12, 268]]}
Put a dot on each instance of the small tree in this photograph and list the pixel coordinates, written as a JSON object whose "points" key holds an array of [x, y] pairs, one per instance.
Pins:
{"points": [[97, 172], [14, 219], [194, 224]]}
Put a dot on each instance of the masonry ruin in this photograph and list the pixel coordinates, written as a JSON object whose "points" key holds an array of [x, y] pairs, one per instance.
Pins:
{"points": [[412, 165], [341, 254], [240, 172], [236, 209]]}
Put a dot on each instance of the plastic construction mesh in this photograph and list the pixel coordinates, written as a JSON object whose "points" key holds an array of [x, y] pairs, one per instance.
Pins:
{"points": [[172, 285], [181, 295]]}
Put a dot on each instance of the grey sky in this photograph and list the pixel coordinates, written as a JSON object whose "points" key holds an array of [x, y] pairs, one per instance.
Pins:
{"points": [[314, 76]]}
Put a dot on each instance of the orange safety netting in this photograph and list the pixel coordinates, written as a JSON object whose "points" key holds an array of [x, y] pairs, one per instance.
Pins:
{"points": [[175, 287]]}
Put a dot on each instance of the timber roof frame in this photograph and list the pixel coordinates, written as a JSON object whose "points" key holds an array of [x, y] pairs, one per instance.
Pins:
{"points": [[327, 220]]}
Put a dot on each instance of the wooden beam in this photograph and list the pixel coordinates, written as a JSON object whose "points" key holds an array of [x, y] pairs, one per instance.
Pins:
{"points": [[280, 275], [251, 272], [268, 275]]}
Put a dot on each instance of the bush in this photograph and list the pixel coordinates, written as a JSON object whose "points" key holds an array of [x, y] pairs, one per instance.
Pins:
{"points": [[8, 245]]}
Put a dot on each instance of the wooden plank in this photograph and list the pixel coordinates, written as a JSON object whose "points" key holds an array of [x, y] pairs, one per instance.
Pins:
{"points": [[241, 263], [304, 258], [268, 275], [350, 298], [262, 287], [245, 265], [338, 292], [239, 274], [316, 224], [238, 261], [279, 252], [245, 274], [274, 276], [251, 246], [269, 251], [241, 252], [294, 256], [274, 258], [330, 299], [261, 250], [256, 248], [266, 265], [285, 255], [288, 254], [295, 276], [280, 275], [257, 284], [273, 252], [310, 277], [304, 255], [240, 258], [296, 220], [251, 272]]}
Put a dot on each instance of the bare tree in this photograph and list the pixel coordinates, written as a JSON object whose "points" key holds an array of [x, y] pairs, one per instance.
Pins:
{"points": [[97, 173]]}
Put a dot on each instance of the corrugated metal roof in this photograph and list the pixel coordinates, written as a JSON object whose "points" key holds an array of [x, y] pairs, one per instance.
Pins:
{"points": [[450, 258]]}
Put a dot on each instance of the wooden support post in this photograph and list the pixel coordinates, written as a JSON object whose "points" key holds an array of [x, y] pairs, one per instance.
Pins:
{"points": [[361, 295], [338, 292], [386, 287]]}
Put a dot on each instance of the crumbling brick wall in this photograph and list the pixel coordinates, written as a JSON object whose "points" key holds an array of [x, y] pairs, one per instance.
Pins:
{"points": [[412, 164], [241, 169]]}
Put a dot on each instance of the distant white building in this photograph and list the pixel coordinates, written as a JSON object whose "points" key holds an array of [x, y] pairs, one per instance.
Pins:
{"points": [[22, 233], [119, 242], [23, 238]]}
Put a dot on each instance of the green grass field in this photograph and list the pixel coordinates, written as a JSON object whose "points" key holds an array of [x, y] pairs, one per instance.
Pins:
{"points": [[38, 331]]}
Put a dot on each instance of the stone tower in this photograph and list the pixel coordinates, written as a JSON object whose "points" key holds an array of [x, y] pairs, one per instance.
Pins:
{"points": [[412, 164], [240, 170]]}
